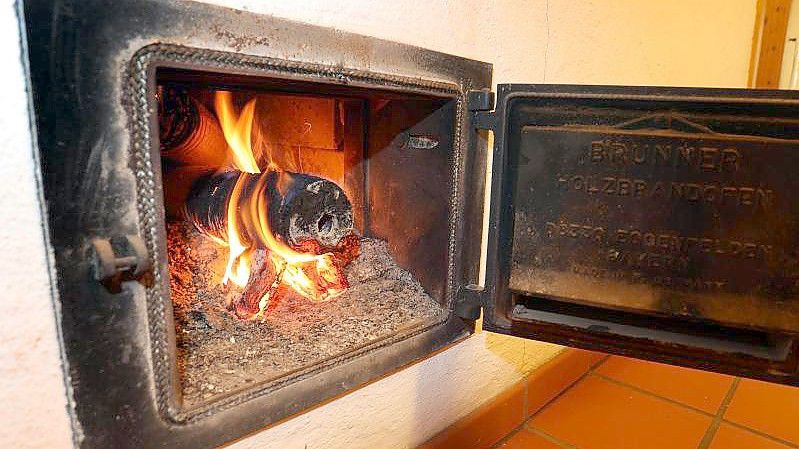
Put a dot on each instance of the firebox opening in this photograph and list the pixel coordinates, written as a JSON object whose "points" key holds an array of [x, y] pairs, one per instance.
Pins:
{"points": [[304, 221]]}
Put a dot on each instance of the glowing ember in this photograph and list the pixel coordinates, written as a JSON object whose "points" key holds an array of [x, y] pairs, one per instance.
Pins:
{"points": [[310, 270]]}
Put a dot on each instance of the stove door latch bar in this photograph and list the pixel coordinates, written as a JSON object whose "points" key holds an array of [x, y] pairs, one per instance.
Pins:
{"points": [[119, 259]]}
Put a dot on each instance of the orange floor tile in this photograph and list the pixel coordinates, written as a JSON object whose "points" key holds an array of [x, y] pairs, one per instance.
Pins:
{"points": [[768, 408], [698, 389], [597, 414], [631, 404], [729, 437], [525, 439]]}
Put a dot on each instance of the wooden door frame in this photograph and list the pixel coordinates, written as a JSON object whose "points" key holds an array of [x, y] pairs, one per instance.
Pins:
{"points": [[768, 43]]}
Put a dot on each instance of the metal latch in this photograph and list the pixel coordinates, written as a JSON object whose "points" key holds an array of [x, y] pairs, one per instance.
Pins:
{"points": [[118, 259]]}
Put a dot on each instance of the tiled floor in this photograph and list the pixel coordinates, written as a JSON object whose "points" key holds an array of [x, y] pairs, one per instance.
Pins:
{"points": [[630, 404]]}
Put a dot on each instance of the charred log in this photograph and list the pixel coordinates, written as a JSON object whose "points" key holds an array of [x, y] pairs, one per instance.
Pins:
{"points": [[265, 288], [264, 284], [300, 208]]}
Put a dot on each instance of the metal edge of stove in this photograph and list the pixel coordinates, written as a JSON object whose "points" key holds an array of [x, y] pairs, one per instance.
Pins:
{"points": [[83, 55]]}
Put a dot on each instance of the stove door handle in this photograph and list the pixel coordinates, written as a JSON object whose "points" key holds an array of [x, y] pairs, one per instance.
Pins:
{"points": [[119, 259]]}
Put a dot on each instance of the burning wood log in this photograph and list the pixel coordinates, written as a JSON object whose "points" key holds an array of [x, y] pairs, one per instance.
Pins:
{"points": [[300, 207], [266, 287], [282, 230], [311, 216]]}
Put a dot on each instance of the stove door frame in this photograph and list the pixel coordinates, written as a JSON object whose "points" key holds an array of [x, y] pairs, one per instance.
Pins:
{"points": [[774, 355]]}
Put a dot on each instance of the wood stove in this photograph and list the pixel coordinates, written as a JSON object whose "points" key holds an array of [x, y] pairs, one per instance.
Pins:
{"points": [[203, 297], [250, 216]]}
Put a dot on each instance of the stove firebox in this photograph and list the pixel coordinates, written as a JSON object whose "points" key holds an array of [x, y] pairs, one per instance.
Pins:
{"points": [[284, 250]]}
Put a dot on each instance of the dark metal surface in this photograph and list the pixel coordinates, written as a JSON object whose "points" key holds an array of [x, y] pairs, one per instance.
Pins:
{"points": [[407, 188], [648, 208], [694, 224], [760, 356], [92, 64]]}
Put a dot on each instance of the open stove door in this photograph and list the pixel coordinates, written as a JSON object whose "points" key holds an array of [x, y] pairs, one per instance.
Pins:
{"points": [[659, 223]]}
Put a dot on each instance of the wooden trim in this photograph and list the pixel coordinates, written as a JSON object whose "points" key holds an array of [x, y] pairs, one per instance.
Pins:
{"points": [[768, 43], [755, 53]]}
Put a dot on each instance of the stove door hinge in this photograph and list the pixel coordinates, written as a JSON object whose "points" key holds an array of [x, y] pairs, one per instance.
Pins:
{"points": [[480, 104], [469, 302]]}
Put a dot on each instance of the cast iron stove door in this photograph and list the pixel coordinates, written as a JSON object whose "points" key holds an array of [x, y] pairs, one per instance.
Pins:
{"points": [[659, 223]]}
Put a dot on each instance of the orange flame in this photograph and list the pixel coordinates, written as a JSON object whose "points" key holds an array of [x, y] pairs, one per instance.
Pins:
{"points": [[239, 257], [237, 130], [315, 277]]}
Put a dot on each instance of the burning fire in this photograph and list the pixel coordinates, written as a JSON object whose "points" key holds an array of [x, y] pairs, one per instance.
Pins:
{"points": [[237, 131], [312, 272]]}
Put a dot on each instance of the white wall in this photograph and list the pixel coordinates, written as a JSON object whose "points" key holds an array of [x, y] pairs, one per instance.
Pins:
{"points": [[32, 404], [679, 42]]}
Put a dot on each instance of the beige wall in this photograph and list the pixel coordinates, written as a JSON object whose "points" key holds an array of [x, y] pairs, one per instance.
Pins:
{"points": [[676, 42]]}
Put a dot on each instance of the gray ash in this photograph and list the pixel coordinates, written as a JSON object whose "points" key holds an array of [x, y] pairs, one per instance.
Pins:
{"points": [[218, 353]]}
